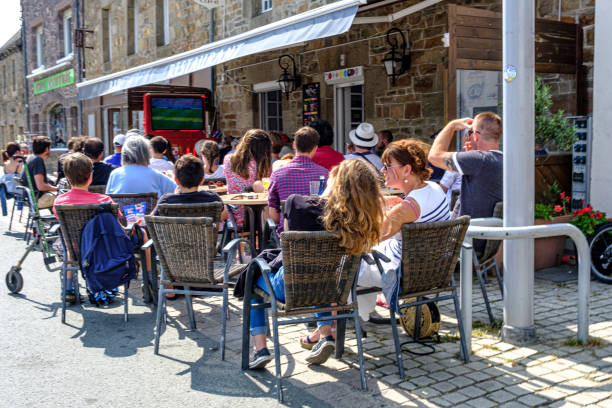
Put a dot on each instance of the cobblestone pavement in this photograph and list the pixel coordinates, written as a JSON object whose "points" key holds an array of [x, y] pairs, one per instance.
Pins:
{"points": [[552, 372]]}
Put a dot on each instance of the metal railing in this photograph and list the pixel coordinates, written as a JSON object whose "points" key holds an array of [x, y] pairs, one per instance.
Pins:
{"points": [[491, 228]]}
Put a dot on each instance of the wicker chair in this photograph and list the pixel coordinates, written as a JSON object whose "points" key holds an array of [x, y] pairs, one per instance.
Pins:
{"points": [[318, 273], [73, 219], [100, 188], [429, 255], [486, 261], [130, 199], [186, 247], [151, 201]]}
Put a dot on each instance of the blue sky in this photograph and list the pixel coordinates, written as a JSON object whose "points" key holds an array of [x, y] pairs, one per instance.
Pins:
{"points": [[9, 19]]}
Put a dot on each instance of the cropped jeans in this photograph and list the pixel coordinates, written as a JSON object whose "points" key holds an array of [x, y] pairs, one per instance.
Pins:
{"points": [[5, 195], [258, 316]]}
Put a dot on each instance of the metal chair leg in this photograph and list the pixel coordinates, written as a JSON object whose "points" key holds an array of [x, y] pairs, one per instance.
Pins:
{"points": [[279, 385], [396, 341], [161, 308], [340, 336], [483, 288], [500, 281], [192, 323], [75, 286], [417, 322], [63, 285], [246, 323], [12, 213], [464, 348], [364, 384], [125, 303], [224, 313]]}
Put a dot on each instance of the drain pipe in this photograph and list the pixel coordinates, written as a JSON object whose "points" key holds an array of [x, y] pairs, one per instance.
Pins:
{"points": [[75, 9], [25, 71], [211, 38]]}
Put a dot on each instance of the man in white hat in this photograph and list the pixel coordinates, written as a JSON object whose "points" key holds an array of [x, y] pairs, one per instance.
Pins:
{"points": [[115, 158], [364, 138]]}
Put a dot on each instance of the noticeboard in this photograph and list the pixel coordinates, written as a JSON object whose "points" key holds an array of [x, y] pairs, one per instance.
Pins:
{"points": [[311, 102]]}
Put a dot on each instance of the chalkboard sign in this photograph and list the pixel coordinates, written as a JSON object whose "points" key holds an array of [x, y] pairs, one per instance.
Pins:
{"points": [[311, 104]]}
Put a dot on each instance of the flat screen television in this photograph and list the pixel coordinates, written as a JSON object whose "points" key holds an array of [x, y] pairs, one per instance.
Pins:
{"points": [[177, 113]]}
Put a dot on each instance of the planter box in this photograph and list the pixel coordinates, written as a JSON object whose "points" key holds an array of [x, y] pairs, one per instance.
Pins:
{"points": [[547, 251]]}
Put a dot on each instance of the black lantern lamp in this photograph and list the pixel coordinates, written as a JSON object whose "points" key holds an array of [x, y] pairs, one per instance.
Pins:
{"points": [[396, 61], [288, 81]]}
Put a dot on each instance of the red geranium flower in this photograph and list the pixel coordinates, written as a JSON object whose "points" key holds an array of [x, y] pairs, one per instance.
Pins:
{"points": [[558, 208], [562, 195]]}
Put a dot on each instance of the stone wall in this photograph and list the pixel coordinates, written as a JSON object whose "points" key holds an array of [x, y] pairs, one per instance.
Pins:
{"points": [[48, 14], [12, 105]]}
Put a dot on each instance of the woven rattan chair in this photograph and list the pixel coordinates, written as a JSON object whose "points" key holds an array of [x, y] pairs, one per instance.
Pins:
{"points": [[318, 273], [429, 255], [99, 189], [484, 262], [150, 199], [186, 247], [130, 199], [73, 219]]}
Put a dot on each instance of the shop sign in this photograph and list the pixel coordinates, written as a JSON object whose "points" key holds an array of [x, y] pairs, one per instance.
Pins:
{"points": [[344, 75], [210, 3], [311, 102], [58, 80]]}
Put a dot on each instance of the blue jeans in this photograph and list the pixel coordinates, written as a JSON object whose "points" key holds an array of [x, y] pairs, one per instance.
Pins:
{"points": [[258, 316], [3, 197]]}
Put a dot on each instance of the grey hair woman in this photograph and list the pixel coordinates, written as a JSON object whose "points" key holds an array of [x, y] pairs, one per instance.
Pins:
{"points": [[136, 150], [135, 175]]}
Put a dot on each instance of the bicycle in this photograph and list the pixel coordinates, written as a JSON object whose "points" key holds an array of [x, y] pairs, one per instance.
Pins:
{"points": [[600, 245]]}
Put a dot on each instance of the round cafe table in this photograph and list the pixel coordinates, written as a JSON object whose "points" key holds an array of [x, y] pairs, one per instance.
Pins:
{"points": [[255, 201], [217, 189]]}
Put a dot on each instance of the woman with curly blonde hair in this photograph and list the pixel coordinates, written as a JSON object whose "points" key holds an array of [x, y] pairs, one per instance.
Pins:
{"points": [[350, 208]]}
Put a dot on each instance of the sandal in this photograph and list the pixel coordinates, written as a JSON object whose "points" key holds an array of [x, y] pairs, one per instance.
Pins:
{"points": [[306, 343]]}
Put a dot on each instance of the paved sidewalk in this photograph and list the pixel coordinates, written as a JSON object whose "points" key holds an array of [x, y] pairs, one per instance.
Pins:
{"points": [[42, 354]]}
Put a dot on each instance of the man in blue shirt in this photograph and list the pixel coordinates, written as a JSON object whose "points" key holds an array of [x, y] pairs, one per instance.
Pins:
{"points": [[115, 158]]}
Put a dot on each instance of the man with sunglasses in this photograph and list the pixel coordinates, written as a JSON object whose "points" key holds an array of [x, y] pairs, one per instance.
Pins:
{"points": [[480, 164]]}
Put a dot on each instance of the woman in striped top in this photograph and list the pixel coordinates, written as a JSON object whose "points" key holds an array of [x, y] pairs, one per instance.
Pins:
{"points": [[405, 168]]}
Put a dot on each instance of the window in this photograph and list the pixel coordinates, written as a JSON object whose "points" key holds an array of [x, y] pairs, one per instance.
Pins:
{"points": [[38, 42], [266, 5], [271, 104], [107, 39], [67, 28], [91, 125], [162, 22], [132, 28]]}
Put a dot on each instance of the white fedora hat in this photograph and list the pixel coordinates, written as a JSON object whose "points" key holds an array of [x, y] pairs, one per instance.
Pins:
{"points": [[364, 135]]}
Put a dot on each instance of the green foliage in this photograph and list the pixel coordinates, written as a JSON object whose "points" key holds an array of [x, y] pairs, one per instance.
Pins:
{"points": [[551, 127], [555, 203], [543, 212]]}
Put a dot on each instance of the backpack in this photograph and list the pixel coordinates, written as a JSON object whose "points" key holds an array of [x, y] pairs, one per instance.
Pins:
{"points": [[107, 253]]}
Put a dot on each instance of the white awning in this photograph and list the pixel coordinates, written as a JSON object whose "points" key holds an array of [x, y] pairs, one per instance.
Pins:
{"points": [[332, 19]]}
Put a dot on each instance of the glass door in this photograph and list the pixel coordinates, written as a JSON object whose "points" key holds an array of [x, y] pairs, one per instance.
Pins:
{"points": [[349, 111]]}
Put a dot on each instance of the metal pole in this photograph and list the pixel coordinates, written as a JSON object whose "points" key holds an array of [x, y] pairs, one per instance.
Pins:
{"points": [[465, 290], [25, 70], [76, 51], [518, 128], [211, 38]]}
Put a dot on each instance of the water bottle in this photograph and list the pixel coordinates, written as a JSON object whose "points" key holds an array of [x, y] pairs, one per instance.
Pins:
{"points": [[321, 185]]}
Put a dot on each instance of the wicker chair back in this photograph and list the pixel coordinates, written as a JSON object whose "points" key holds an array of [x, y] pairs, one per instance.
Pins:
{"points": [[429, 253], [185, 246], [212, 210], [125, 200], [317, 270], [73, 219]]}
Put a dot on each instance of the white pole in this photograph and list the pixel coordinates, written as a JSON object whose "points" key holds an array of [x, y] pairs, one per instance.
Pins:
{"points": [[518, 125]]}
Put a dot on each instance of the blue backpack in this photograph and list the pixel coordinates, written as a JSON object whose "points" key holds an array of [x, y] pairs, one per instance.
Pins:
{"points": [[107, 254]]}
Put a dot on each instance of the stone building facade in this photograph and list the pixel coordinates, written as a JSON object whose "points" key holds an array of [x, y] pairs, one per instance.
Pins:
{"points": [[12, 104], [130, 33], [51, 68]]}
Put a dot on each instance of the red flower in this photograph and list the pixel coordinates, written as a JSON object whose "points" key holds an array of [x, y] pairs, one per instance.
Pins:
{"points": [[562, 195], [588, 209], [558, 208], [592, 216], [598, 215], [567, 198]]}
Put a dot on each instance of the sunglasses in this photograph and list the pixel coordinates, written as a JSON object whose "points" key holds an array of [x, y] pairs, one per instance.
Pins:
{"points": [[386, 167]]}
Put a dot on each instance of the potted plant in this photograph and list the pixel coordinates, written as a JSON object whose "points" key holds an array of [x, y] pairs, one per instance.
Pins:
{"points": [[550, 129]]}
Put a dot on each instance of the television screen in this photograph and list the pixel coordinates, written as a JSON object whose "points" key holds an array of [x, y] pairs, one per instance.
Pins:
{"points": [[181, 113]]}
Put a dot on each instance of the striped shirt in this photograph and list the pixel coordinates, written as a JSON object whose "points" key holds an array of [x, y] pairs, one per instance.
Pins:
{"points": [[432, 202]]}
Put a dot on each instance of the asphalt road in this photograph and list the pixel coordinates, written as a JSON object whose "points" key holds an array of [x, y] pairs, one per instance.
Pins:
{"points": [[97, 360]]}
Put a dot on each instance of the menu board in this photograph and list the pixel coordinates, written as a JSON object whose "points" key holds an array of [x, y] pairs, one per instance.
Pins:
{"points": [[311, 104]]}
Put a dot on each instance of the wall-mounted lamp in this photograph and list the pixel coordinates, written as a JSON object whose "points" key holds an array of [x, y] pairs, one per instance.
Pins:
{"points": [[396, 61], [288, 82]]}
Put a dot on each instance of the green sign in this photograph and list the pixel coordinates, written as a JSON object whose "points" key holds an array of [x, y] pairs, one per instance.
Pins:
{"points": [[54, 81]]}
